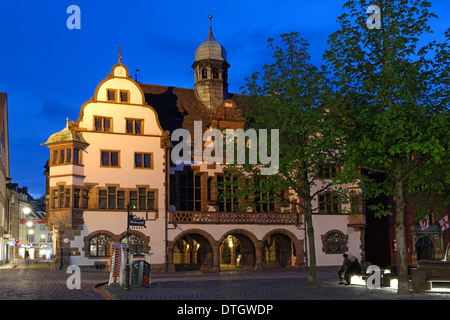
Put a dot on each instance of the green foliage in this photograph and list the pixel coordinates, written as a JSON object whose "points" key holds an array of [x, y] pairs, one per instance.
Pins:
{"points": [[291, 96], [395, 98]]}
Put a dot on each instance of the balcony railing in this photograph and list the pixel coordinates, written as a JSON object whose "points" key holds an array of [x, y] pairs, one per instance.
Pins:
{"points": [[233, 217]]}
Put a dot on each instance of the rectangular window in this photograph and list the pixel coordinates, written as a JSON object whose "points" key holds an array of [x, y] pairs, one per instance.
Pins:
{"points": [[133, 199], [190, 191], [142, 199], [124, 96], [329, 203], [120, 199], [327, 171], [355, 202], [76, 198], [110, 158], [151, 200], [111, 198], [65, 156], [76, 156], [227, 199], [61, 197], [134, 126], [61, 156], [102, 124], [111, 95], [143, 160], [55, 156], [85, 199], [102, 196], [55, 199]]}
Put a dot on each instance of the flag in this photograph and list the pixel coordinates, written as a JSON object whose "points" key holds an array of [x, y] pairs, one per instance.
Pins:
{"points": [[425, 223], [444, 223]]}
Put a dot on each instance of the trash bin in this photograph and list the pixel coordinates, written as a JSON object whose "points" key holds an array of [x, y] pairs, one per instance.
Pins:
{"points": [[140, 274]]}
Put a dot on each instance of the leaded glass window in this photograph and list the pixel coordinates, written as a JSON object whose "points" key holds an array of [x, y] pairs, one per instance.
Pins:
{"points": [[335, 242], [99, 245], [137, 244]]}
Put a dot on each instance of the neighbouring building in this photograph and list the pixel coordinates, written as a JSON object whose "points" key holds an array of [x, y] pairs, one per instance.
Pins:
{"points": [[118, 153], [31, 238], [5, 217]]}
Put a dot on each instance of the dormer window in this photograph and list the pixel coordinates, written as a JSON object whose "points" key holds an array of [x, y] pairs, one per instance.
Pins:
{"points": [[111, 95]]}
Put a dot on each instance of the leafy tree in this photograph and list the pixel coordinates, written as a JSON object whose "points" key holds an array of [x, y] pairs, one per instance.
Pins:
{"points": [[290, 97], [394, 96]]}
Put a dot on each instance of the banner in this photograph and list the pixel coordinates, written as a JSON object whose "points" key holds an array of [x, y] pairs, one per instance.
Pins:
{"points": [[425, 223], [444, 223]]}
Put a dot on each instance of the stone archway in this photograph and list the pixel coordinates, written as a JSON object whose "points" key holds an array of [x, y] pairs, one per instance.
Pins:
{"points": [[192, 250], [237, 250], [281, 249], [425, 248]]}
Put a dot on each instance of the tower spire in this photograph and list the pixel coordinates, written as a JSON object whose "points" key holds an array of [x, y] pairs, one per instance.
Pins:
{"points": [[120, 55], [210, 27]]}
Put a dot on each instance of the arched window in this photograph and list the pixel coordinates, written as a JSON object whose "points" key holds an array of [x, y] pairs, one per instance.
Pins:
{"points": [[99, 245], [137, 243], [215, 73], [335, 242], [204, 73]]}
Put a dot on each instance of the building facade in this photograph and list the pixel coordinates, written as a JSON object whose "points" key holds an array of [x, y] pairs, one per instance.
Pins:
{"points": [[118, 153], [5, 217]]}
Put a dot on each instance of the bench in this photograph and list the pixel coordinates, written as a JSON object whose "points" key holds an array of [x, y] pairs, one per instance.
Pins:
{"points": [[429, 274]]}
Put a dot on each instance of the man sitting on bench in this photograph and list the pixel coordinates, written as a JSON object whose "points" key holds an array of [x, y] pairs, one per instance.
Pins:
{"points": [[350, 266]]}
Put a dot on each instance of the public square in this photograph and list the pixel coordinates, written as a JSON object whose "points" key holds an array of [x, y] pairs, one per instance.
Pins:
{"points": [[39, 281]]}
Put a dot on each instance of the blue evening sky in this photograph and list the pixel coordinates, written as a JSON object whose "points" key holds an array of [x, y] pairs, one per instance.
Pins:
{"points": [[49, 71]]}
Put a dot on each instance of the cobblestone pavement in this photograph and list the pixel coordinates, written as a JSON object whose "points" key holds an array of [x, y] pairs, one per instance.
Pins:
{"points": [[278, 285], [41, 282]]}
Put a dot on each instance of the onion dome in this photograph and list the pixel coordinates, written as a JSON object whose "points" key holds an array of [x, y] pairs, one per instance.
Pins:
{"points": [[210, 48]]}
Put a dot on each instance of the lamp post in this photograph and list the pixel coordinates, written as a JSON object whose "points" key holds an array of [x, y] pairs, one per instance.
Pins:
{"points": [[132, 221]]}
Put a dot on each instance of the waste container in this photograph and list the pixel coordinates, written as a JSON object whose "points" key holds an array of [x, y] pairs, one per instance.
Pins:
{"points": [[140, 274]]}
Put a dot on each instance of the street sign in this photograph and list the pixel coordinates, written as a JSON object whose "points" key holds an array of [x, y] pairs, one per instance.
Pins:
{"points": [[135, 222]]}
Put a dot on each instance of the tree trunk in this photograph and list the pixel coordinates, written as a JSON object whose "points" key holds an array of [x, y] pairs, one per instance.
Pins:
{"points": [[311, 245], [403, 277]]}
